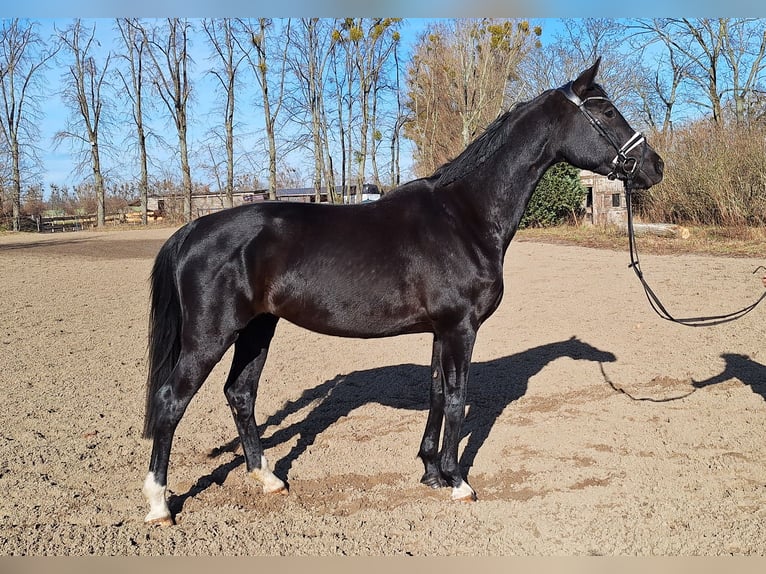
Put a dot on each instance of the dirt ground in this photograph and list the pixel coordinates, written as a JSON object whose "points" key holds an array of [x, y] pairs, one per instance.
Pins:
{"points": [[593, 427]]}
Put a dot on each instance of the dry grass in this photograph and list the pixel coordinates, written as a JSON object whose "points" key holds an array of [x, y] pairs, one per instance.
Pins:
{"points": [[708, 240]]}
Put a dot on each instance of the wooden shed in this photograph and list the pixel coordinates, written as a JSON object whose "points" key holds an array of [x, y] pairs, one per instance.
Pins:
{"points": [[605, 200], [204, 203]]}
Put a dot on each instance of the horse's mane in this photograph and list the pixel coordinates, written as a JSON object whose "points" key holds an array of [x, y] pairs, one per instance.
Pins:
{"points": [[482, 148]]}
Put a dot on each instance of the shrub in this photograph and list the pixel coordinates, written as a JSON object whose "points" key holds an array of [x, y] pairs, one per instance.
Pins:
{"points": [[714, 175], [558, 196]]}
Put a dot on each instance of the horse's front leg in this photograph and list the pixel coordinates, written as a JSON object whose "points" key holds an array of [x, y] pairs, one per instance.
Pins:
{"points": [[429, 446], [456, 350]]}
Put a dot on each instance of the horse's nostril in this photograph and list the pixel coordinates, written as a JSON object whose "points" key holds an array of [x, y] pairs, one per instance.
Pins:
{"points": [[660, 166]]}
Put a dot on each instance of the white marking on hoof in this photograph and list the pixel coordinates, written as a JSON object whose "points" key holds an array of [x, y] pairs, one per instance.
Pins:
{"points": [[166, 521], [463, 492], [263, 476], [159, 513]]}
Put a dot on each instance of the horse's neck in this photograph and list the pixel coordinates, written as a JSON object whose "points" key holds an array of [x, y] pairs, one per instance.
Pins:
{"points": [[499, 191]]}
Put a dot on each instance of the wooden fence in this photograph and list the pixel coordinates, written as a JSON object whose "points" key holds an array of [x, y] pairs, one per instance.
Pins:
{"points": [[81, 222]]}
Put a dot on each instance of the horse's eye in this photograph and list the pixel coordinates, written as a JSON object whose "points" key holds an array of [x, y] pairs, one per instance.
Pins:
{"points": [[609, 113]]}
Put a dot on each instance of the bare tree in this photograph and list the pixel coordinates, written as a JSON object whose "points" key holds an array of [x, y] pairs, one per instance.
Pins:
{"points": [[22, 57], [576, 46], [395, 167], [664, 70], [311, 48], [744, 47], [260, 40], [423, 75], [84, 94], [343, 80], [458, 82], [133, 80], [168, 50], [369, 42], [228, 51], [699, 40], [666, 91], [385, 38], [718, 57]]}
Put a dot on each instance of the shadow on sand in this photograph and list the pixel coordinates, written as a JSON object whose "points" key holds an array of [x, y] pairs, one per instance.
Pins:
{"points": [[493, 385], [739, 367]]}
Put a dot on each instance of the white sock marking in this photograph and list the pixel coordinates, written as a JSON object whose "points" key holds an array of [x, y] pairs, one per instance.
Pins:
{"points": [[463, 492], [155, 496], [267, 479]]}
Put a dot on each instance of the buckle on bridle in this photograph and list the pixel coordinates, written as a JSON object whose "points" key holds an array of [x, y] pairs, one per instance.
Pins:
{"points": [[624, 165]]}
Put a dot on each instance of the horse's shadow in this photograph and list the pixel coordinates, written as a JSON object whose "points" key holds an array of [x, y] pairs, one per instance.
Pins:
{"points": [[740, 367], [493, 385]]}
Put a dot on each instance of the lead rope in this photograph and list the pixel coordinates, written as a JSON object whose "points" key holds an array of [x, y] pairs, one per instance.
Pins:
{"points": [[654, 301]]}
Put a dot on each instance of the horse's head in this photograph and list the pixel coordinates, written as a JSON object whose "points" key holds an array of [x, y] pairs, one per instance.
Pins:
{"points": [[577, 349], [599, 139]]}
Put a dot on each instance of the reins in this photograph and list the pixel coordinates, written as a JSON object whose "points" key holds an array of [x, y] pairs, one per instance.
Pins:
{"points": [[654, 301], [625, 169]]}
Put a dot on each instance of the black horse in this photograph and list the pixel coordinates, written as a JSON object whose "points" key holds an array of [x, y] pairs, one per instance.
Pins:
{"points": [[427, 258]]}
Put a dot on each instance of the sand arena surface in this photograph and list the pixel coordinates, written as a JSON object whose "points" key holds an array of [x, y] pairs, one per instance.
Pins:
{"points": [[593, 426]]}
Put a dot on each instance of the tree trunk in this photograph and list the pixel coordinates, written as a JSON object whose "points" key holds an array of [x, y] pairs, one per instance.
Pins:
{"points": [[659, 230], [144, 184], [98, 180], [186, 174], [16, 183]]}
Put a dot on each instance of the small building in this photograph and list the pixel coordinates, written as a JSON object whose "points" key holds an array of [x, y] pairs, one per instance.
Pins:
{"points": [[605, 200], [204, 203], [155, 209]]}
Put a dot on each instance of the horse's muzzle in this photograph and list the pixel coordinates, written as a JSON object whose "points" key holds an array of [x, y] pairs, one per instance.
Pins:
{"points": [[649, 172]]}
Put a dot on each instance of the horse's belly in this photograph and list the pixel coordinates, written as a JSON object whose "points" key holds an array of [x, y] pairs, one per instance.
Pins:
{"points": [[364, 317]]}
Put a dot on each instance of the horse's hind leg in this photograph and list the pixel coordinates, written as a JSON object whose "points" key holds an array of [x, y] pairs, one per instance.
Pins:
{"points": [[241, 389], [191, 370]]}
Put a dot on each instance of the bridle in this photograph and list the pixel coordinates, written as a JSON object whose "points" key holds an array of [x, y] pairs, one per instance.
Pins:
{"points": [[625, 168]]}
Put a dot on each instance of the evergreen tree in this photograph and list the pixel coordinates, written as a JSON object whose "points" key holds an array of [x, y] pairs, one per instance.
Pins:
{"points": [[558, 196]]}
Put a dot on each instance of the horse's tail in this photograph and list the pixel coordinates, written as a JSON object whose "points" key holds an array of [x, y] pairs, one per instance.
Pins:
{"points": [[164, 326]]}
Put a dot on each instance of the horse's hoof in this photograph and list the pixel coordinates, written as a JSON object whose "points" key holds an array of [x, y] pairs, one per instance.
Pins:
{"points": [[433, 481], [161, 521], [283, 491], [463, 493], [267, 479], [272, 486]]}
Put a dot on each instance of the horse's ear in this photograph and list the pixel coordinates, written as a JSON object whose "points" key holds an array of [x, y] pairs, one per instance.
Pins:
{"points": [[586, 79]]}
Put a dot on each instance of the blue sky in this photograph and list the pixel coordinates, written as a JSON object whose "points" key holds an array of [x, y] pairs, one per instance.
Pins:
{"points": [[409, 9]]}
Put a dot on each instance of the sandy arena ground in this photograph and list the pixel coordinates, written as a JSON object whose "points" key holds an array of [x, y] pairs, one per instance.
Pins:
{"points": [[593, 426]]}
